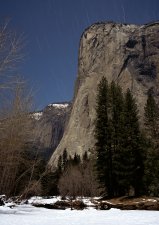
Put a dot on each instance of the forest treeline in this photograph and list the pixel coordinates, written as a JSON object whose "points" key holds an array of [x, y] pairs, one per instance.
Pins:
{"points": [[127, 148]]}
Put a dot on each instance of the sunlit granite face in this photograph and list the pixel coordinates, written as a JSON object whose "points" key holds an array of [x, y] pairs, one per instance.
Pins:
{"points": [[127, 54]]}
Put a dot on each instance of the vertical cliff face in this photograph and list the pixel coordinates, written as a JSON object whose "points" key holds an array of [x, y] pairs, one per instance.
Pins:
{"points": [[48, 127], [127, 54]]}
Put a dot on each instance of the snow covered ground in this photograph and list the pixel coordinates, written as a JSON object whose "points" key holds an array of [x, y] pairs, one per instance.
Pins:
{"points": [[51, 200], [29, 215]]}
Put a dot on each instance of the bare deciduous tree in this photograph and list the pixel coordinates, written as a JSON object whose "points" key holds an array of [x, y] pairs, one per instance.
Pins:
{"points": [[15, 106], [78, 180], [14, 135], [10, 49]]}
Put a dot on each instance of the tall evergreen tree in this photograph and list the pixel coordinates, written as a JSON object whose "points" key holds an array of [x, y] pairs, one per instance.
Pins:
{"points": [[117, 129], [132, 162], [102, 135], [152, 116], [152, 156]]}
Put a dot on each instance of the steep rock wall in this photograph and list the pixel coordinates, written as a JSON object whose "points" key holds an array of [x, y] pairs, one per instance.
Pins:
{"points": [[128, 54], [48, 126]]}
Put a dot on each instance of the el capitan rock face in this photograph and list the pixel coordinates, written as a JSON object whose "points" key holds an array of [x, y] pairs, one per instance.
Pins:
{"points": [[127, 54]]}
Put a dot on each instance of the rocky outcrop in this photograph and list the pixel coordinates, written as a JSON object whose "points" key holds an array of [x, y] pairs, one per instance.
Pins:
{"points": [[48, 127], [127, 54]]}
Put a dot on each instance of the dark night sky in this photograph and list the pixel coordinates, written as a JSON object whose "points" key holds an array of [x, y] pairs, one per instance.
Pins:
{"points": [[52, 30]]}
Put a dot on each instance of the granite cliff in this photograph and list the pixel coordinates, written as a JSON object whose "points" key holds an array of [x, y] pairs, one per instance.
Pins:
{"points": [[127, 54], [47, 127]]}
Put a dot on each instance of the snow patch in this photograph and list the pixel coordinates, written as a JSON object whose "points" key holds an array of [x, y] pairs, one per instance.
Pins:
{"points": [[37, 115], [59, 106], [41, 200], [151, 200]]}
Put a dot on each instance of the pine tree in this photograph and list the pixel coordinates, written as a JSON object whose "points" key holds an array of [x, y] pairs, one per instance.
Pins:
{"points": [[152, 156], [59, 164], [85, 156], [132, 160], [102, 135], [76, 159], [117, 124], [64, 159], [151, 116]]}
